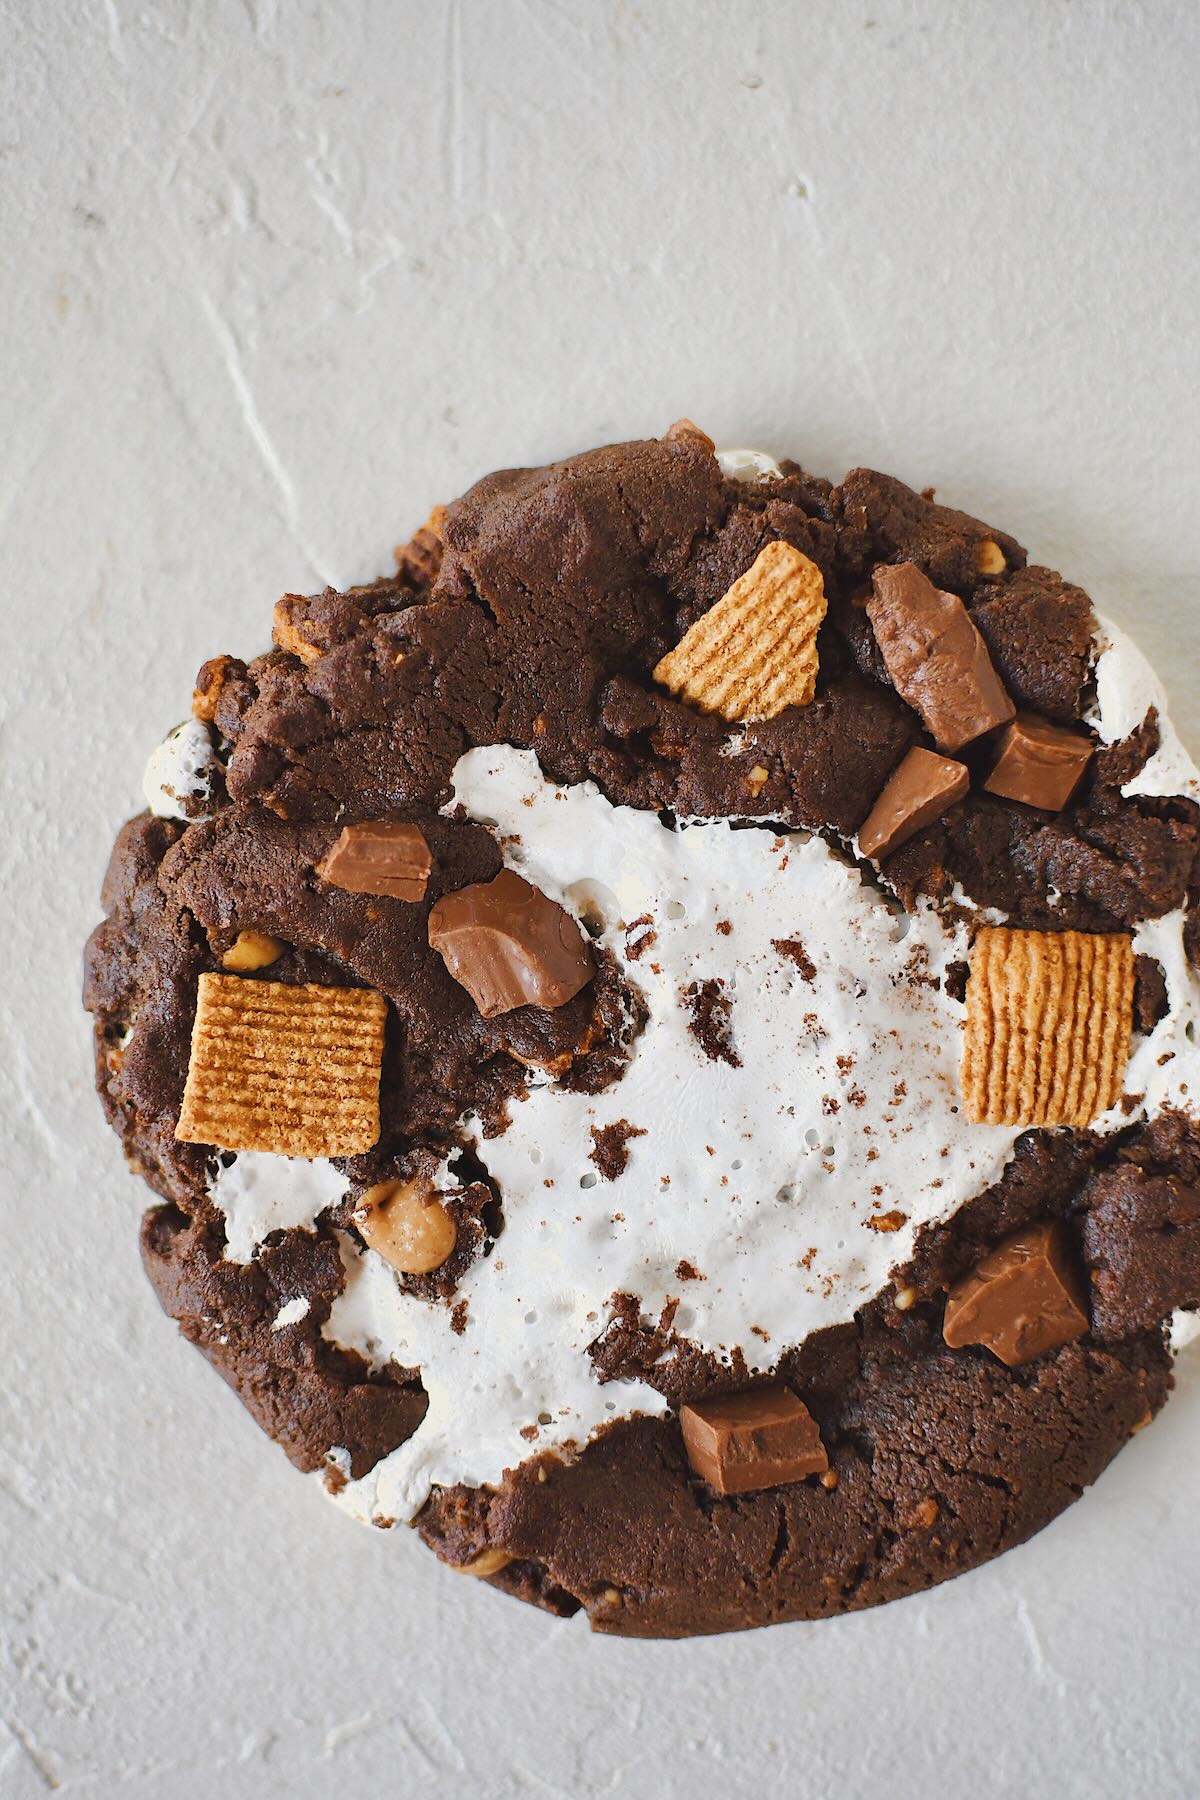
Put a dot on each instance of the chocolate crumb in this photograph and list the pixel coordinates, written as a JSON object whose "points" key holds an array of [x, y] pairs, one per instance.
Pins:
{"points": [[793, 950], [458, 1317], [711, 1010], [684, 1271], [954, 981], [639, 935], [1149, 994], [610, 1151]]}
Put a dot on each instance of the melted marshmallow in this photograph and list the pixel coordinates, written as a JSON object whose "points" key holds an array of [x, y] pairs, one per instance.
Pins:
{"points": [[1185, 1330], [291, 1312], [763, 1177], [180, 769], [260, 1193], [751, 466], [1126, 689]]}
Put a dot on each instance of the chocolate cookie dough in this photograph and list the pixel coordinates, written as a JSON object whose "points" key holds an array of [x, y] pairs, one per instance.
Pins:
{"points": [[662, 1036]]}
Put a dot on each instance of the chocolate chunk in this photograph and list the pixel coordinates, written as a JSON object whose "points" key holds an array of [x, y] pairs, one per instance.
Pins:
{"points": [[510, 946], [1022, 1300], [379, 857], [921, 789], [760, 1439], [936, 658], [1039, 764]]}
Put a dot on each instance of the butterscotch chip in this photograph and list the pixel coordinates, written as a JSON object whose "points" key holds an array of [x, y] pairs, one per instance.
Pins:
{"points": [[488, 1562], [989, 557], [1049, 1021], [755, 651], [293, 1070], [406, 1224], [251, 950]]}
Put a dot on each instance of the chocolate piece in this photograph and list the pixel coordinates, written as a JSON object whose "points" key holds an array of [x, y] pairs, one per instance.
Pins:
{"points": [[936, 658], [1038, 764], [1023, 1299], [921, 789], [510, 946], [760, 1439], [379, 857]]}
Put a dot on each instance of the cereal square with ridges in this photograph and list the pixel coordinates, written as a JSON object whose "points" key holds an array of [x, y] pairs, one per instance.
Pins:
{"points": [[292, 1070]]}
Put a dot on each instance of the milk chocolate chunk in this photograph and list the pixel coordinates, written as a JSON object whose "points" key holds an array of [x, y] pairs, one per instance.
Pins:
{"points": [[936, 658], [921, 789], [1023, 1299], [379, 857], [510, 946], [760, 1439], [1038, 764]]}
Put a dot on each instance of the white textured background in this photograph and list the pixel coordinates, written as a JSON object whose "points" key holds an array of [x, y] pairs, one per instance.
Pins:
{"points": [[276, 277]]}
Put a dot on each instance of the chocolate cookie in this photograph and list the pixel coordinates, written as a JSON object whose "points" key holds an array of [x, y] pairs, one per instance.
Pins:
{"points": [[662, 1033]]}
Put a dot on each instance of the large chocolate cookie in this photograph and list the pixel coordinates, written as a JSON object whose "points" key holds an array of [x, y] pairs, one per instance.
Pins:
{"points": [[663, 1036]]}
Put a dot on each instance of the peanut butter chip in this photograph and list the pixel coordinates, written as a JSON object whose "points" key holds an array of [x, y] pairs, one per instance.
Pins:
{"points": [[407, 1225], [251, 950], [755, 651], [989, 557], [488, 1562], [1049, 1023]]}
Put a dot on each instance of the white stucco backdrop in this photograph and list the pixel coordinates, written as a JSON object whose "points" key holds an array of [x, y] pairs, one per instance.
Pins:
{"points": [[277, 276]]}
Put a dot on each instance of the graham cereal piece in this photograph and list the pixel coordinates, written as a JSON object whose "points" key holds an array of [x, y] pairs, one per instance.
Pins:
{"points": [[755, 651], [206, 694], [1049, 1022], [420, 559], [285, 629], [293, 1070]]}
